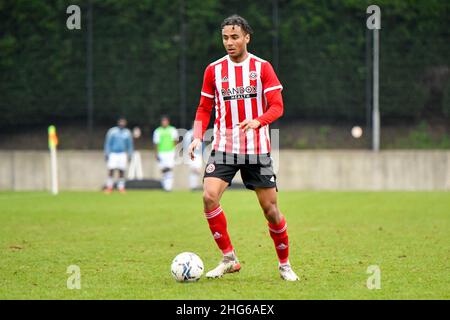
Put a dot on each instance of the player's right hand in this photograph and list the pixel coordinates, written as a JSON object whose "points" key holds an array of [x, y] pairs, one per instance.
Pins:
{"points": [[195, 144]]}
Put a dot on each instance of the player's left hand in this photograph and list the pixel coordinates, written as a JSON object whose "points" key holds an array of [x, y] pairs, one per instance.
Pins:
{"points": [[249, 124], [196, 143]]}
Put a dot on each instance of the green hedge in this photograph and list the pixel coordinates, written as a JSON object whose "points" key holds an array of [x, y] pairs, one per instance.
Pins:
{"points": [[322, 57]]}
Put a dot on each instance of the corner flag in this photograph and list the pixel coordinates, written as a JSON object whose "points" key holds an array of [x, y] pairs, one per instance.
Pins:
{"points": [[52, 137], [52, 143]]}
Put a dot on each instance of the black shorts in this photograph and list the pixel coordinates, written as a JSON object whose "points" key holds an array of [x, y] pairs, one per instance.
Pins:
{"points": [[256, 170]]}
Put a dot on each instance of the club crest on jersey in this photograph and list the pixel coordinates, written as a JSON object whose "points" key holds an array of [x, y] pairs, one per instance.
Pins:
{"points": [[225, 79], [253, 75], [210, 168]]}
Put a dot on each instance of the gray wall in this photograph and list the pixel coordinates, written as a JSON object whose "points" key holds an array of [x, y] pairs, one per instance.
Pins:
{"points": [[297, 170]]}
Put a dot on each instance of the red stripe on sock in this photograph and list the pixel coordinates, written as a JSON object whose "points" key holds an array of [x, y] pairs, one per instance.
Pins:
{"points": [[213, 213], [278, 233], [218, 225]]}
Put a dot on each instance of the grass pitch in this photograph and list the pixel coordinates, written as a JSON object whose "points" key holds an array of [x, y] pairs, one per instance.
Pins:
{"points": [[124, 245]]}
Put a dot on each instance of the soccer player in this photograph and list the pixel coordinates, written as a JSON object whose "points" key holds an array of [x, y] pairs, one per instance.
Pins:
{"points": [[118, 150], [195, 166], [246, 94], [165, 139]]}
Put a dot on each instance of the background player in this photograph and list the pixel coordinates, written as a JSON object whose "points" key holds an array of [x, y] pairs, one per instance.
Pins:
{"points": [[165, 139], [118, 149], [247, 97]]}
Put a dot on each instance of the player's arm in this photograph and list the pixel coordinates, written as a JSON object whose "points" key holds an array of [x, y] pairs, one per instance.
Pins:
{"points": [[274, 110], [156, 142], [156, 152], [205, 105], [130, 146], [272, 91], [202, 118], [175, 137], [204, 109], [106, 146]]}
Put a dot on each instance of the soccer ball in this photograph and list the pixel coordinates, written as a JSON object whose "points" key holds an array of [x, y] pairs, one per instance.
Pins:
{"points": [[187, 267]]}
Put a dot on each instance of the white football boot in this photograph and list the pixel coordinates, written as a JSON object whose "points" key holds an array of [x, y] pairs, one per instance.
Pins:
{"points": [[287, 273], [229, 264]]}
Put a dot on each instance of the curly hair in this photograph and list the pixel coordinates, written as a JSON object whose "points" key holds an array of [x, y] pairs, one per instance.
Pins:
{"points": [[236, 20]]}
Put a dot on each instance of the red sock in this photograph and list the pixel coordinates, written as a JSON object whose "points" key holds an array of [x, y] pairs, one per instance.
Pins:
{"points": [[218, 226], [278, 232]]}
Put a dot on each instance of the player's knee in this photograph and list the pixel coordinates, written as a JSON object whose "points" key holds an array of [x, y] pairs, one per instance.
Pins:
{"points": [[270, 210], [210, 199]]}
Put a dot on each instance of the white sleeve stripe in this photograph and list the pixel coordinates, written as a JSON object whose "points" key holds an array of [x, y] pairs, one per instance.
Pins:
{"points": [[207, 95], [273, 88]]}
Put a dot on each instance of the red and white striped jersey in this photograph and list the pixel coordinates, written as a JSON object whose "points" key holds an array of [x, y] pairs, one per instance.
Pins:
{"points": [[240, 92]]}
